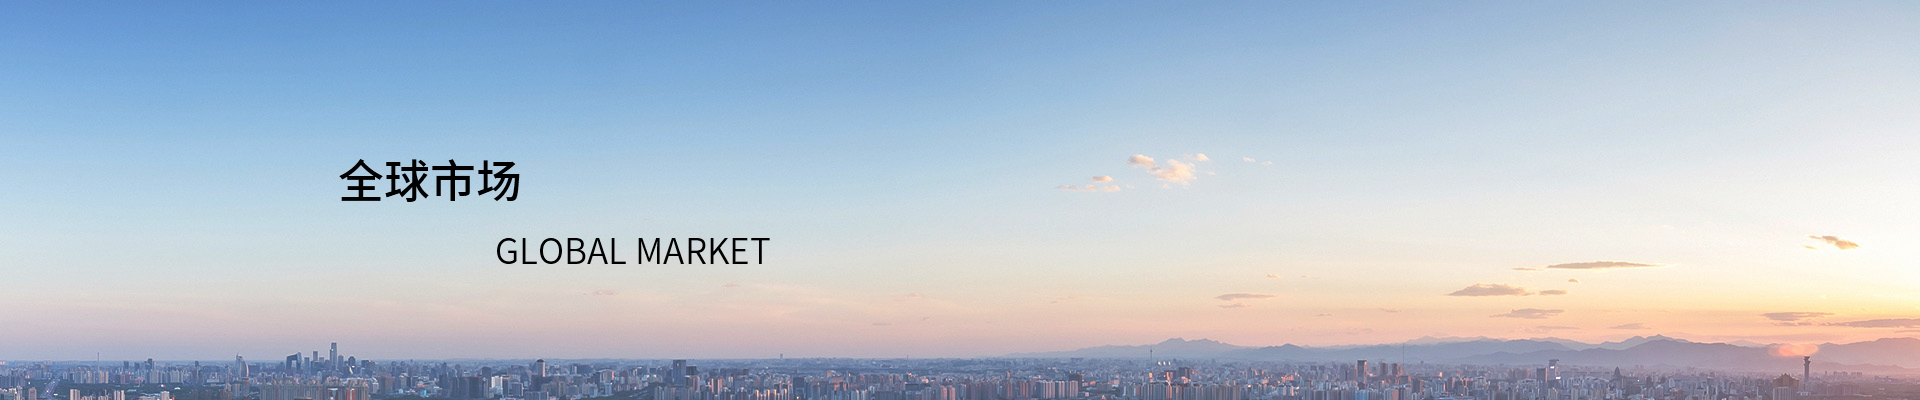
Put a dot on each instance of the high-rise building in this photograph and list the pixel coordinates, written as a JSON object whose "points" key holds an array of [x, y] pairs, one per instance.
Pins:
{"points": [[1360, 373], [1783, 393], [677, 376], [333, 356]]}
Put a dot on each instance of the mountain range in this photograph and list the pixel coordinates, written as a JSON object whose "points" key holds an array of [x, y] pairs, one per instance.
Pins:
{"points": [[1883, 356]]}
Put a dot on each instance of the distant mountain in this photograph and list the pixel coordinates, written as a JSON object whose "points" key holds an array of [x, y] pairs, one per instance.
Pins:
{"points": [[1437, 352], [1171, 348], [1427, 349], [1668, 352], [1889, 351], [1888, 356], [1569, 343], [1636, 341], [1445, 339]]}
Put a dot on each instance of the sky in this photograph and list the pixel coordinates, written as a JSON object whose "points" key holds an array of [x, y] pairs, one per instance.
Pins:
{"points": [[957, 180]]}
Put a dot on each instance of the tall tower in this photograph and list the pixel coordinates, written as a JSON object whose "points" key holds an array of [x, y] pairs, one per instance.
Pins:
{"points": [[1806, 372], [333, 356]]}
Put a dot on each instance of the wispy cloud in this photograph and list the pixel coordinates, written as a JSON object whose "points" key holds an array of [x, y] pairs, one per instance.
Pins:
{"points": [[1602, 265], [1175, 171], [1632, 326], [1570, 280], [1103, 178], [1794, 316], [1275, 276], [606, 292], [1242, 296], [1491, 289], [1234, 305], [1090, 188], [1526, 268], [1836, 242], [1529, 313], [1551, 328], [1880, 323], [1552, 292]]}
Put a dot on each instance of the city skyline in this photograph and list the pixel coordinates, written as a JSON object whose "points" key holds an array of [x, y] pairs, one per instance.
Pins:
{"points": [[1884, 351], [314, 378]]}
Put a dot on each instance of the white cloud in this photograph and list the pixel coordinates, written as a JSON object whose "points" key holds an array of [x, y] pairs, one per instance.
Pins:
{"points": [[1491, 289], [1837, 242], [1242, 296], [1794, 316], [1089, 188], [1601, 265], [1176, 172], [1529, 313], [1141, 160], [1103, 178]]}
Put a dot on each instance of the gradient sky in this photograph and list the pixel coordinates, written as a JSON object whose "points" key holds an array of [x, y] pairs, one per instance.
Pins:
{"points": [[172, 193]]}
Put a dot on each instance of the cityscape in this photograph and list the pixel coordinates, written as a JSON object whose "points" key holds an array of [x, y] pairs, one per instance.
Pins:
{"points": [[960, 200], [334, 375]]}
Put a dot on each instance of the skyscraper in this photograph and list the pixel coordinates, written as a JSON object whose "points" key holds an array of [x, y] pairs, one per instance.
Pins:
{"points": [[1360, 373]]}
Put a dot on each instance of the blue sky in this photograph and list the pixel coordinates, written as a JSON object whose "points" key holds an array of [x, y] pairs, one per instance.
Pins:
{"points": [[173, 169]]}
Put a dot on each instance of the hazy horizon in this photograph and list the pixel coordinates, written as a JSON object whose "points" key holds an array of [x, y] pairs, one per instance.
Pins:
{"points": [[1016, 354]]}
